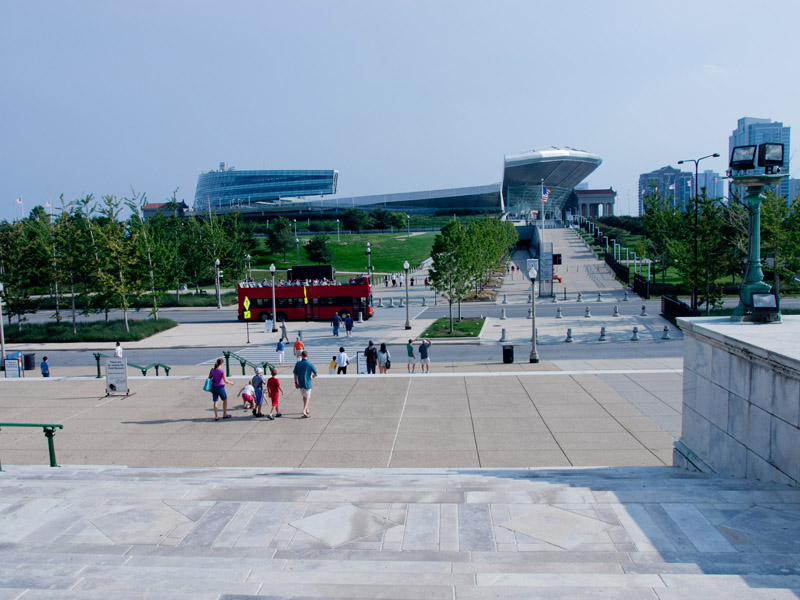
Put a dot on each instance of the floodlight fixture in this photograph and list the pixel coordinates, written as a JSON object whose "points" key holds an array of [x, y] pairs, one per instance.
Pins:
{"points": [[743, 158], [770, 155]]}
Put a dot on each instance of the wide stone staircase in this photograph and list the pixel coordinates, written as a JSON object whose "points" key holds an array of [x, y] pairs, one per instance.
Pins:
{"points": [[627, 532]]}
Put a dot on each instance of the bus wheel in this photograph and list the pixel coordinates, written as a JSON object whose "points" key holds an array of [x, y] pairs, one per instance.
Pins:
{"points": [[282, 316], [264, 316]]}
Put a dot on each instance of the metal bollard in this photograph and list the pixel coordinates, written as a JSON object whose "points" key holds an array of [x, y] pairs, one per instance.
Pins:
{"points": [[558, 313], [504, 299], [503, 337], [666, 335], [625, 297], [529, 298], [588, 312], [503, 314], [644, 311], [402, 302], [616, 311], [635, 337], [424, 302], [569, 339], [380, 302], [580, 297], [300, 335], [602, 335], [530, 313], [555, 299], [565, 294], [391, 302], [599, 298], [360, 317], [536, 333]]}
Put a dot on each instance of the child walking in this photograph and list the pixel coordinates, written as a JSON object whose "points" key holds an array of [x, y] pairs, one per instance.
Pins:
{"points": [[273, 389], [332, 366]]}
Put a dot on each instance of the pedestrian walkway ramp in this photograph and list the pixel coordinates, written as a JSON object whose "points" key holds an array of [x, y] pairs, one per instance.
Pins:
{"points": [[208, 534]]}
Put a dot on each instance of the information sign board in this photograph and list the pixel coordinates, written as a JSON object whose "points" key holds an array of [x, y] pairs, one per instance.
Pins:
{"points": [[117, 376], [12, 367]]}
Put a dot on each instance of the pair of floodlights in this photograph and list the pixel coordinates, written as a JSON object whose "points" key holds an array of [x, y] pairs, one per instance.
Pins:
{"points": [[768, 155]]}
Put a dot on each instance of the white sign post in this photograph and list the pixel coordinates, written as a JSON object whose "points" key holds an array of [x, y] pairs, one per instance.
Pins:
{"points": [[12, 367], [117, 376]]}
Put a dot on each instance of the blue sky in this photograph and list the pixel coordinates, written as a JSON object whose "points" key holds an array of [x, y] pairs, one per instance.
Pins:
{"points": [[98, 97]]}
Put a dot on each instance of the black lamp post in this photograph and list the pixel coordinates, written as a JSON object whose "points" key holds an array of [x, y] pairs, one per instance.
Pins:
{"points": [[696, 162], [274, 313]]}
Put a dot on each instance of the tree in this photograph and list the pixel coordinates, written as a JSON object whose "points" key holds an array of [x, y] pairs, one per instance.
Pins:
{"points": [[317, 250], [280, 238], [662, 223], [398, 220], [381, 219], [355, 219], [449, 273], [19, 275], [779, 241]]}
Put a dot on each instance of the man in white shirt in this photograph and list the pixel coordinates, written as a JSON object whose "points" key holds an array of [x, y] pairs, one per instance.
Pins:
{"points": [[341, 362], [118, 351]]}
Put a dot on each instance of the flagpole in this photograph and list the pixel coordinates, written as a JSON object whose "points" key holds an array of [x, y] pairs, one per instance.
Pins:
{"points": [[542, 250]]}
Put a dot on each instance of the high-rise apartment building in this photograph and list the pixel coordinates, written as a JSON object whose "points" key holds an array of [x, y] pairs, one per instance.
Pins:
{"points": [[712, 182], [671, 183], [751, 131]]}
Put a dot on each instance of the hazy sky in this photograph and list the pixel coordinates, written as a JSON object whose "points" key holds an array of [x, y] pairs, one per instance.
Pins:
{"points": [[101, 96]]}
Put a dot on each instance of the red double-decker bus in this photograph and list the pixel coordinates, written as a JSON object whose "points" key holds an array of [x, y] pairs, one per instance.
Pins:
{"points": [[307, 302]]}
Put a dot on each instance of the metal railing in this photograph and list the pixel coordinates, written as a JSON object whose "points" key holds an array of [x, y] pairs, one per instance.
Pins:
{"points": [[622, 272], [144, 370], [49, 431], [672, 308], [267, 366], [641, 285]]}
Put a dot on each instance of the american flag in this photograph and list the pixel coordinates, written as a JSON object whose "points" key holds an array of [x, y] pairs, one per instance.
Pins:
{"points": [[545, 194], [19, 201]]}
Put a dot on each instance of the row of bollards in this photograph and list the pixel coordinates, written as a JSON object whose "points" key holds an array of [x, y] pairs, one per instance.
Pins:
{"points": [[603, 337]]}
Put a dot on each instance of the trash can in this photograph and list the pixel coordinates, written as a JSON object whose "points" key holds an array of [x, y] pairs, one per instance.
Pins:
{"points": [[508, 354], [29, 362]]}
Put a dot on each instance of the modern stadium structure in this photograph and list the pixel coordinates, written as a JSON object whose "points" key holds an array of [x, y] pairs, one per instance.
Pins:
{"points": [[552, 171]]}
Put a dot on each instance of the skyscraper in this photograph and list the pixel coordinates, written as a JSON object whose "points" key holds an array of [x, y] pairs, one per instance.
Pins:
{"points": [[671, 183], [751, 131], [712, 182]]}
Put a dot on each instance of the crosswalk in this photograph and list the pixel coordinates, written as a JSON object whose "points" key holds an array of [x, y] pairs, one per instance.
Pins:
{"points": [[319, 355]]}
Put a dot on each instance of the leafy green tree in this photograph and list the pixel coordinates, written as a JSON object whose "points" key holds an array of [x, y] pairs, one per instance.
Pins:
{"points": [[780, 245], [281, 237], [450, 271], [76, 257], [662, 222], [398, 220], [19, 276], [355, 219], [381, 219], [317, 250]]}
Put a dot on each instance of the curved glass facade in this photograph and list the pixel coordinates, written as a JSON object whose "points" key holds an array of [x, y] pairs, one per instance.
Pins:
{"points": [[230, 188]]}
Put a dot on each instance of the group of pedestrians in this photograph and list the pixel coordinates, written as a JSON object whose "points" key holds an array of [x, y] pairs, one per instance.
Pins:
{"points": [[337, 321], [252, 393], [424, 356]]}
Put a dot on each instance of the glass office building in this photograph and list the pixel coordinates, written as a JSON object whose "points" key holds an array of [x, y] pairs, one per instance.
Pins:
{"points": [[227, 188]]}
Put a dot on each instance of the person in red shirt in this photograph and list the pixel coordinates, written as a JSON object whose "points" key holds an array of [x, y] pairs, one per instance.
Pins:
{"points": [[273, 389]]}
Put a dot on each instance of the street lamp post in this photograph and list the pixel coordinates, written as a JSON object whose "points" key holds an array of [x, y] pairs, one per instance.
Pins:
{"points": [[295, 227], [369, 263], [406, 266], [297, 243], [338, 239], [274, 312], [249, 271], [408, 225], [216, 281], [696, 162], [534, 358], [2, 334]]}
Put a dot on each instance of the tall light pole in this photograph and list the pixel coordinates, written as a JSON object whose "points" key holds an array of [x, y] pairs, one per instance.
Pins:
{"points": [[249, 271], [369, 263], [297, 243], [338, 239], [696, 162], [406, 266], [2, 334], [216, 280], [408, 225], [274, 312], [534, 358], [295, 227]]}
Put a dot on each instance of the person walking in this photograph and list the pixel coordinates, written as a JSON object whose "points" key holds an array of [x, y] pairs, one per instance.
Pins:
{"points": [[273, 390], [384, 360], [336, 321], [342, 361], [371, 355], [348, 325], [118, 351], [218, 382], [284, 333], [258, 382], [412, 359], [45, 367], [299, 346], [280, 349], [424, 357], [304, 372]]}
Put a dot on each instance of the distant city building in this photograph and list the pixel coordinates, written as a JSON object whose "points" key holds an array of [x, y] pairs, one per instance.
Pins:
{"points": [[165, 208], [712, 182], [751, 131], [671, 183], [794, 188]]}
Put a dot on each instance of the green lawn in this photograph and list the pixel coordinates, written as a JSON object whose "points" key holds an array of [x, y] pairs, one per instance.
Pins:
{"points": [[92, 331], [388, 252], [440, 328]]}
